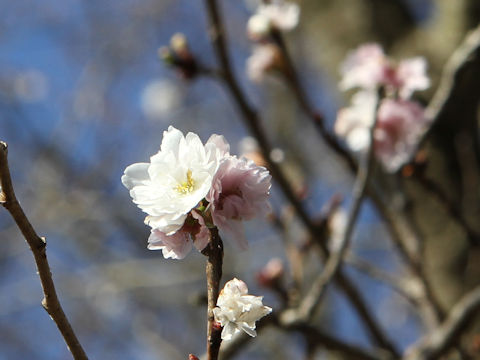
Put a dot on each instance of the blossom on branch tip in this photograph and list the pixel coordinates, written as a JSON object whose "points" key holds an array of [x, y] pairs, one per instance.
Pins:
{"points": [[399, 125], [175, 180], [178, 245], [237, 311], [239, 192], [188, 188], [264, 58], [278, 14], [368, 67]]}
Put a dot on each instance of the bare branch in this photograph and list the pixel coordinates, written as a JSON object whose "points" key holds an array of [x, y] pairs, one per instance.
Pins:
{"points": [[37, 245], [214, 251], [217, 36], [437, 342]]}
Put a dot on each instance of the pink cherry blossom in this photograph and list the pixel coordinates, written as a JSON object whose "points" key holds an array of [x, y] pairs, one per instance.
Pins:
{"points": [[399, 125], [178, 245], [368, 67], [239, 191], [397, 133], [365, 67]]}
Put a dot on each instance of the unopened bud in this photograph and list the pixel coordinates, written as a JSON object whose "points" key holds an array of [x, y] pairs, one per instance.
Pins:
{"points": [[179, 43], [166, 55], [271, 273]]}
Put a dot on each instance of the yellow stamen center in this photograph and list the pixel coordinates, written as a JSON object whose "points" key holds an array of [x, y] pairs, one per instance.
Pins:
{"points": [[186, 186]]}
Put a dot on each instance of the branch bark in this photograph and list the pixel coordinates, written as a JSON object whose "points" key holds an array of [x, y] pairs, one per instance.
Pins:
{"points": [[37, 245]]}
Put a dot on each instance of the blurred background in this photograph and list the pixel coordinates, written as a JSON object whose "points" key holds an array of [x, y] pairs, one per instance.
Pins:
{"points": [[83, 95]]}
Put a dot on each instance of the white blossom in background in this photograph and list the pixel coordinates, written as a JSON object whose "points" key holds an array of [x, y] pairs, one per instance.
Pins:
{"points": [[411, 75], [364, 68], [175, 179], [283, 15], [353, 123], [264, 58], [239, 192], [159, 98], [278, 14], [237, 311]]}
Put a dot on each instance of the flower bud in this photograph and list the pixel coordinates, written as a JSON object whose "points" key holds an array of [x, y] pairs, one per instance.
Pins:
{"points": [[271, 273]]}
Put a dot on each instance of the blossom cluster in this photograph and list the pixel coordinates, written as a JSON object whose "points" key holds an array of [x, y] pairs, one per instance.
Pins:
{"points": [[188, 187], [269, 18], [400, 120], [237, 311]]}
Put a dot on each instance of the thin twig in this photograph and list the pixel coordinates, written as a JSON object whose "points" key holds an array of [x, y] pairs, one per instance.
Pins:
{"points": [[37, 245], [320, 338], [403, 235], [461, 58], [436, 343], [333, 264], [252, 120], [214, 251]]}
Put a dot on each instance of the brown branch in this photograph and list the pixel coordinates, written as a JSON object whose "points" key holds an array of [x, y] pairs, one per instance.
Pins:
{"points": [[37, 245], [314, 335], [403, 235], [450, 82], [436, 343], [334, 261], [214, 252], [252, 120]]}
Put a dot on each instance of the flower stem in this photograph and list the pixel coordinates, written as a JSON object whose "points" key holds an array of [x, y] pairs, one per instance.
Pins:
{"points": [[214, 252]]}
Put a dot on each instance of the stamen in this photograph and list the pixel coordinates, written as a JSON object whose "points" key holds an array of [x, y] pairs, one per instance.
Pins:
{"points": [[186, 186]]}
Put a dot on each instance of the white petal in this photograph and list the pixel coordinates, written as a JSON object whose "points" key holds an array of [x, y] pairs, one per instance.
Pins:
{"points": [[135, 174]]}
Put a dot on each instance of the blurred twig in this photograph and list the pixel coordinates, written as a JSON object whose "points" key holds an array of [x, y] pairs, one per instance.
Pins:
{"points": [[217, 36], [334, 262], [436, 343], [37, 245]]}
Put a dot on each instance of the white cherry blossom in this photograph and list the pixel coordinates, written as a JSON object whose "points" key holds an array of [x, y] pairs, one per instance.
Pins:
{"points": [[176, 179], [237, 311]]}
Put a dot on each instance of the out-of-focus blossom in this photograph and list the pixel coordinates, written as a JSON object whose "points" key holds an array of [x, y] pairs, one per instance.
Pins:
{"points": [[178, 245], [283, 15], [368, 67], [411, 75], [177, 178], [278, 14], [237, 311], [258, 27], [239, 192], [399, 120], [364, 67], [396, 135], [159, 98], [353, 123], [271, 273], [399, 124], [264, 58]]}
